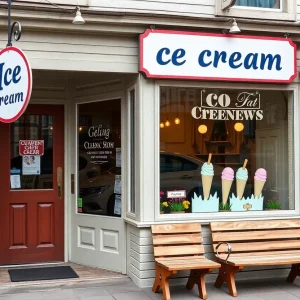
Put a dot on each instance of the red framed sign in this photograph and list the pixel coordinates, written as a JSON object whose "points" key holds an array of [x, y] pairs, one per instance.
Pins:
{"points": [[15, 84], [207, 56], [31, 147]]}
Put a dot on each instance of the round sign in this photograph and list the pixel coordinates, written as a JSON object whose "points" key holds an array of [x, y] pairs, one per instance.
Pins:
{"points": [[15, 84]]}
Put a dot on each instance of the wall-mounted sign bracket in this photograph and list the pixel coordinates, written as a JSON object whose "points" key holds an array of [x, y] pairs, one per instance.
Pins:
{"points": [[10, 30], [226, 4]]}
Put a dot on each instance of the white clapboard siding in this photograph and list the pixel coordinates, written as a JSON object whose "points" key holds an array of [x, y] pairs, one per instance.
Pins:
{"points": [[141, 267], [66, 51]]}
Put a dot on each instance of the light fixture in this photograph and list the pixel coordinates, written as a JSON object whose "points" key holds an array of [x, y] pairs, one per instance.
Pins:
{"points": [[80, 128], [177, 121], [162, 125], [51, 127], [202, 129], [233, 29], [78, 20], [167, 123], [238, 126]]}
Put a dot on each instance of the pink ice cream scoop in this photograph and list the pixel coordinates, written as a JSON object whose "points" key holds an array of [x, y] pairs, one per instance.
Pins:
{"points": [[228, 174], [260, 174]]}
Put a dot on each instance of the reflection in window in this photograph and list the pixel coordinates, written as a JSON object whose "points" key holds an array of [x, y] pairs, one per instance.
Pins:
{"points": [[250, 129], [259, 3], [36, 172], [99, 138]]}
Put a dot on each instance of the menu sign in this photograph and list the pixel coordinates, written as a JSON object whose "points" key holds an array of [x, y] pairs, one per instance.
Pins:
{"points": [[98, 146]]}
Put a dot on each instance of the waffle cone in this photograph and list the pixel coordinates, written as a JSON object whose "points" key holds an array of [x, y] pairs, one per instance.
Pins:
{"points": [[240, 188], [206, 185], [226, 186], [258, 186]]}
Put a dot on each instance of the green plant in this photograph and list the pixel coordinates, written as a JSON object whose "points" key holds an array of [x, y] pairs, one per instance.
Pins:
{"points": [[273, 203], [225, 206], [178, 204], [163, 205]]}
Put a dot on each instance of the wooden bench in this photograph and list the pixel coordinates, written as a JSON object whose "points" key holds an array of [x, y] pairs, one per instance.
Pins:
{"points": [[255, 243], [179, 247]]}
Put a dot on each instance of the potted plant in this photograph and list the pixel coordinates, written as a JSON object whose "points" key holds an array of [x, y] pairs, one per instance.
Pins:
{"points": [[163, 206], [178, 205], [225, 207], [273, 204]]}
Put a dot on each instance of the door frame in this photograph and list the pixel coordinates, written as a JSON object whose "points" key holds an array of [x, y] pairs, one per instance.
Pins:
{"points": [[66, 168], [73, 140]]}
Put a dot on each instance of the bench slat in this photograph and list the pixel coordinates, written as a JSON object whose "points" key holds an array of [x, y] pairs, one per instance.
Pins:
{"points": [[178, 250], [254, 225], [173, 239], [261, 246], [264, 260], [268, 253], [255, 235], [191, 264], [176, 228]]}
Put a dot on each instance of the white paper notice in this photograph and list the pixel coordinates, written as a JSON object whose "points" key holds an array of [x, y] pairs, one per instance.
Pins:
{"points": [[118, 185], [15, 181], [31, 165], [118, 205], [118, 158]]}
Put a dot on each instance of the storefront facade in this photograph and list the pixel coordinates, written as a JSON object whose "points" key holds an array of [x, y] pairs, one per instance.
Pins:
{"points": [[126, 141]]}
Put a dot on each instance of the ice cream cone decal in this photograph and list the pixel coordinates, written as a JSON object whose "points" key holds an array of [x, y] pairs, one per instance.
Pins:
{"points": [[207, 172], [260, 179], [241, 180], [227, 179]]}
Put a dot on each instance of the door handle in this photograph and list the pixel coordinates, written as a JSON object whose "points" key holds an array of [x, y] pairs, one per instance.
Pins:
{"points": [[59, 182]]}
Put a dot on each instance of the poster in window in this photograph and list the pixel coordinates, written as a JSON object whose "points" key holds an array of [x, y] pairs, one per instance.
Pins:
{"points": [[31, 165]]}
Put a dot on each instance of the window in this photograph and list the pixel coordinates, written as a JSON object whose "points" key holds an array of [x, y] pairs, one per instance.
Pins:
{"points": [[249, 135], [99, 165], [260, 9], [259, 3]]}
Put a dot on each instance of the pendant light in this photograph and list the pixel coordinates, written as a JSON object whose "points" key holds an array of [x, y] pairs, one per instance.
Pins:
{"points": [[177, 120], [162, 125], [167, 122]]}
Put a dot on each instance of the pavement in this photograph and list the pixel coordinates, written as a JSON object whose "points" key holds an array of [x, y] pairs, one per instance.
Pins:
{"points": [[124, 289]]}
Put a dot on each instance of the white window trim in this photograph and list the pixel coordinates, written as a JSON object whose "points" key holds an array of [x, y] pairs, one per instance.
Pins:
{"points": [[129, 213], [288, 13], [207, 217]]}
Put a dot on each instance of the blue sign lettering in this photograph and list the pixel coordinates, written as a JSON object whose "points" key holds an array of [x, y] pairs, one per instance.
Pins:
{"points": [[176, 55]]}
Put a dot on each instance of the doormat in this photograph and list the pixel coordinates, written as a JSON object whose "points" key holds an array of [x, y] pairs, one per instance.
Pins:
{"points": [[46, 273]]}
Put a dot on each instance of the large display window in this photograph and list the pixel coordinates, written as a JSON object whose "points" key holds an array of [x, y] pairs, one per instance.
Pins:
{"points": [[225, 150]]}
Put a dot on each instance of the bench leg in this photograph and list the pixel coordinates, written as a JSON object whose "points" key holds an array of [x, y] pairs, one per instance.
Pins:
{"points": [[293, 273], [198, 277], [162, 281], [230, 271], [221, 277]]}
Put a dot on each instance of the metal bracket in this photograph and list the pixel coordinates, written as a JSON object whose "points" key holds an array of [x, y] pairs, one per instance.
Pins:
{"points": [[228, 250], [10, 28]]}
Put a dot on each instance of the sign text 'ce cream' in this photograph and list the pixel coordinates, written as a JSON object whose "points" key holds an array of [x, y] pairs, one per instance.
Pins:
{"points": [[207, 56]]}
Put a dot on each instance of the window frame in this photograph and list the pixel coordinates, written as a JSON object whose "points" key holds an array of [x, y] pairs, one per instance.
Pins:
{"points": [[207, 217], [286, 13]]}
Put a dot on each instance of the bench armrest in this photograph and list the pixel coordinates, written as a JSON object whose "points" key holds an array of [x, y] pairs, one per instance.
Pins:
{"points": [[228, 250]]}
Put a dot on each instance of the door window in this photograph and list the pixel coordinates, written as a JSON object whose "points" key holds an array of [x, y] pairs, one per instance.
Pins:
{"points": [[31, 148], [99, 158]]}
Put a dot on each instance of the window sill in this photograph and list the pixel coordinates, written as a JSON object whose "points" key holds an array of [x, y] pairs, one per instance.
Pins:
{"points": [[257, 14]]}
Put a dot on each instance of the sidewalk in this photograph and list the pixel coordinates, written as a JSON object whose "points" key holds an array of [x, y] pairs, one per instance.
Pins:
{"points": [[124, 289]]}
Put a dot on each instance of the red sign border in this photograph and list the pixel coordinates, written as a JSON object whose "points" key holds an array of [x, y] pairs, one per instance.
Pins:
{"points": [[29, 87], [143, 70], [33, 154]]}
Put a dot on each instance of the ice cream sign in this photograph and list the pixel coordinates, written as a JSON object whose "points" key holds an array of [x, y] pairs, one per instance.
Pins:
{"points": [[221, 106], [15, 84], [207, 56]]}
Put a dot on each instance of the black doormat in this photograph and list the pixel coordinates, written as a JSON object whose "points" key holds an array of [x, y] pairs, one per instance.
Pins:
{"points": [[47, 273]]}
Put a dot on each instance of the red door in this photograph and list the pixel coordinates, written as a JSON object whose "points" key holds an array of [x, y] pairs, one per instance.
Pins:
{"points": [[31, 188]]}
